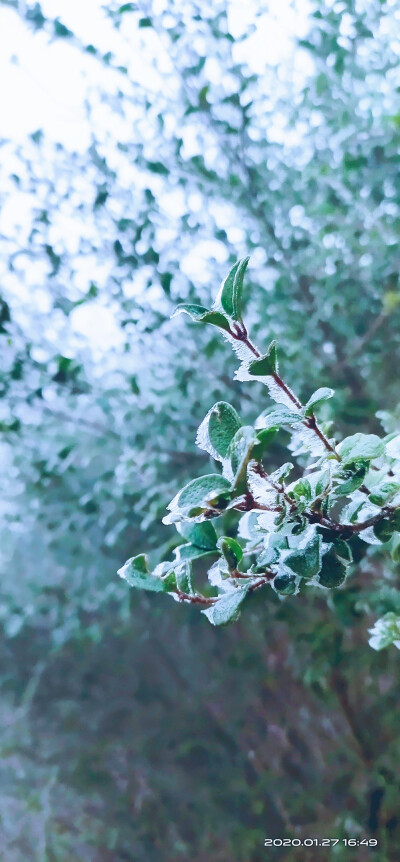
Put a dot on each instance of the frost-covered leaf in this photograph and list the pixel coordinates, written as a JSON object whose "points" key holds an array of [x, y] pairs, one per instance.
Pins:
{"points": [[360, 447], [218, 575], [231, 551], [384, 529], [238, 288], [386, 632], [343, 550], [369, 536], [351, 512], [217, 430], [384, 493], [333, 570], [360, 510], [227, 608], [285, 585], [238, 454], [200, 491], [320, 482], [306, 559], [266, 365], [269, 556], [350, 479], [247, 528], [266, 521], [203, 315], [136, 573], [201, 535], [261, 486], [191, 552], [264, 439], [224, 299], [229, 297], [183, 576], [281, 473], [300, 490], [277, 418], [265, 370], [317, 398], [305, 441]]}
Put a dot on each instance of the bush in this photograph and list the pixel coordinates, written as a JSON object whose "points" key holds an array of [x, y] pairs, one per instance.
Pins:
{"points": [[288, 535]]}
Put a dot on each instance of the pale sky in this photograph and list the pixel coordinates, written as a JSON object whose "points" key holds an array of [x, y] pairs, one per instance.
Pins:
{"points": [[45, 85]]}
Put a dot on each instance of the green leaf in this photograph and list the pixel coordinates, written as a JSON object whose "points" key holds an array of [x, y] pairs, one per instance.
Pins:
{"points": [[360, 446], [306, 560], [239, 452], [380, 496], [352, 510], [203, 315], [323, 483], [343, 550], [183, 575], [353, 478], [267, 365], [203, 535], [277, 417], [231, 550], [333, 571], [270, 555], [284, 584], [158, 168], [301, 490], [238, 288], [61, 30], [217, 430], [136, 573], [164, 571], [224, 299], [230, 293], [317, 398], [227, 608], [264, 438], [200, 491], [282, 472], [191, 552], [384, 530]]}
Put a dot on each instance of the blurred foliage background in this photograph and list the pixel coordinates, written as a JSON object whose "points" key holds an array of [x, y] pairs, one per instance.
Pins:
{"points": [[132, 730]]}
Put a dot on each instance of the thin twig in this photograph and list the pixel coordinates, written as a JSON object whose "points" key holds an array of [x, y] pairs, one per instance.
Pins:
{"points": [[199, 599], [240, 334]]}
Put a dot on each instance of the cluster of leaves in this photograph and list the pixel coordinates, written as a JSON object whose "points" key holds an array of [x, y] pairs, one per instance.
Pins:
{"points": [[299, 525]]}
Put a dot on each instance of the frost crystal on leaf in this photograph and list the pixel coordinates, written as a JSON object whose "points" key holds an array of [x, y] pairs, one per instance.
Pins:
{"points": [[305, 441], [275, 391], [393, 448], [266, 522], [260, 487]]}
